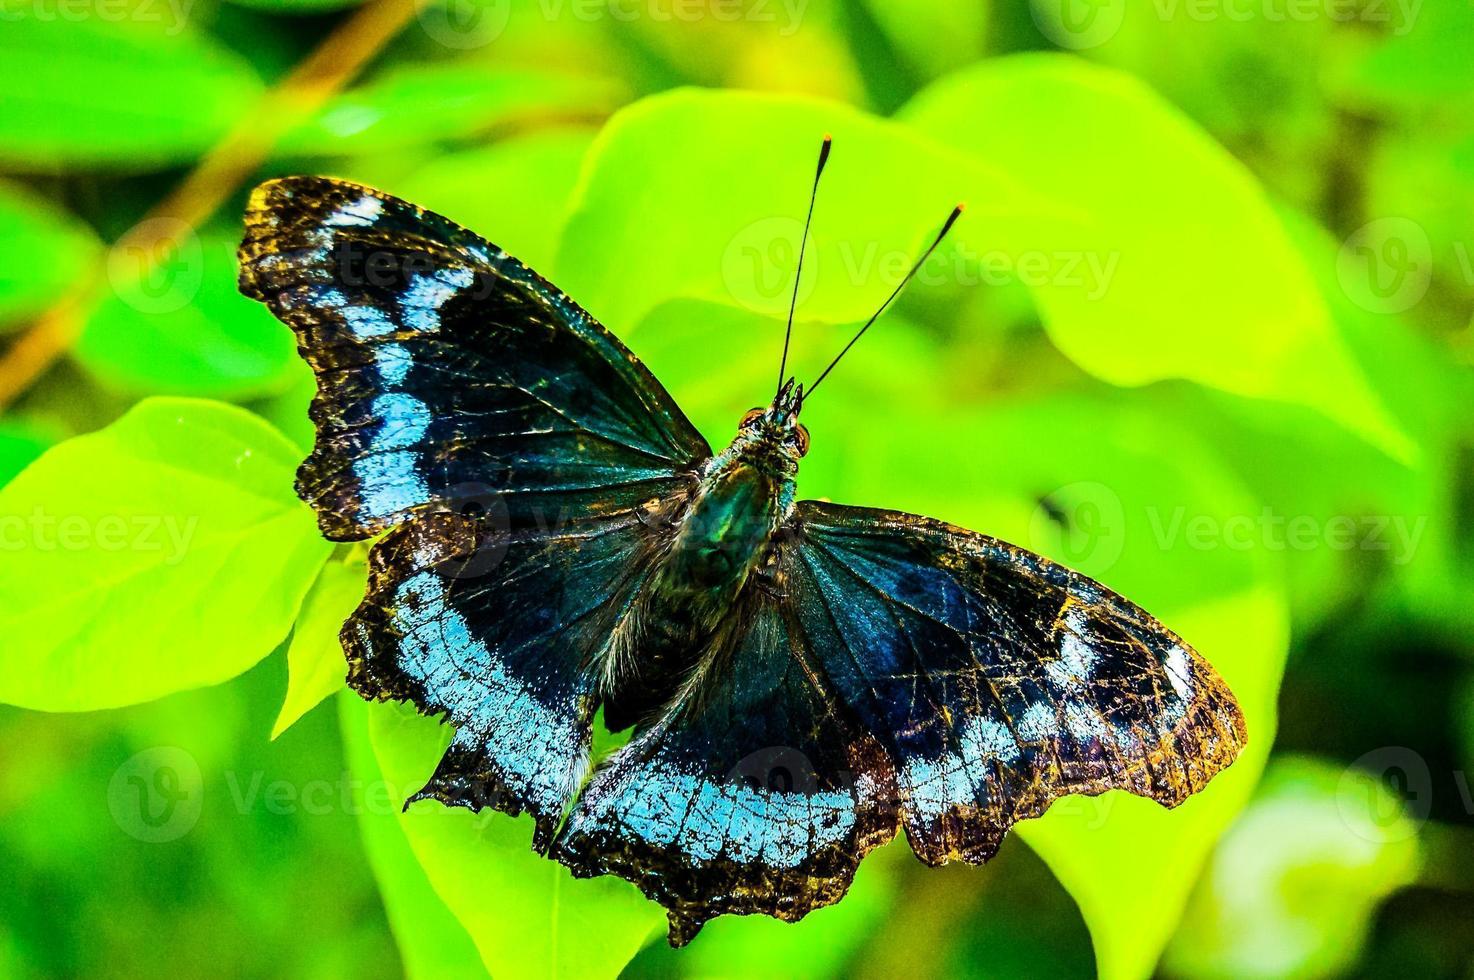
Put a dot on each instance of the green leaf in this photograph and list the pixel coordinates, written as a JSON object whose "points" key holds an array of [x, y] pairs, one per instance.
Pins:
{"points": [[717, 213], [1114, 265], [514, 193], [425, 103], [527, 915], [144, 90], [43, 252], [431, 941], [164, 552], [1394, 520], [315, 665], [1184, 224], [934, 37], [180, 326], [1293, 887]]}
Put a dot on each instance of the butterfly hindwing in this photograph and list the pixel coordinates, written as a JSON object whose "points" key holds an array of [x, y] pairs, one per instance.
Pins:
{"points": [[503, 633], [996, 679], [752, 794], [448, 372]]}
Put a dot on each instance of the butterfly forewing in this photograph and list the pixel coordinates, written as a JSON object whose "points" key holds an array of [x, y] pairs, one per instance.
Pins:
{"points": [[448, 372]]}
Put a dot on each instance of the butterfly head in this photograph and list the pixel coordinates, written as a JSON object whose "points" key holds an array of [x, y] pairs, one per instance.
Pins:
{"points": [[775, 432]]}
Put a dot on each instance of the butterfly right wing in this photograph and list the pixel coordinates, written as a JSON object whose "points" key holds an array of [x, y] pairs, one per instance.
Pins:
{"points": [[450, 373]]}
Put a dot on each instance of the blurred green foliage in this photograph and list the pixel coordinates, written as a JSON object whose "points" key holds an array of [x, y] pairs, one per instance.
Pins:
{"points": [[1203, 333]]}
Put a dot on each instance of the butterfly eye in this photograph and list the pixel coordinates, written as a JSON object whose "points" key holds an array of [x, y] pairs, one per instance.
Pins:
{"points": [[753, 414], [802, 435]]}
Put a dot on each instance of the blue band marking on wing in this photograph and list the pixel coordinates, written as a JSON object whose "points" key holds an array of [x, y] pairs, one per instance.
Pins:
{"points": [[427, 293], [361, 213], [491, 705]]}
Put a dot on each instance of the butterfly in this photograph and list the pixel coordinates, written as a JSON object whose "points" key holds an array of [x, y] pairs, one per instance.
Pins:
{"points": [[803, 680]]}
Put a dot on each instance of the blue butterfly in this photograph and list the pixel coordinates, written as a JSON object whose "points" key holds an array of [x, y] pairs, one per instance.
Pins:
{"points": [[803, 679]]}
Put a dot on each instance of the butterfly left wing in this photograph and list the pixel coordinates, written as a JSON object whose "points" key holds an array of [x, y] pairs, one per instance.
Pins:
{"points": [[997, 680]]}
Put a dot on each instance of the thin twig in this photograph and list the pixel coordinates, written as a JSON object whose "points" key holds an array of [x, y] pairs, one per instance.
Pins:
{"points": [[242, 151]]}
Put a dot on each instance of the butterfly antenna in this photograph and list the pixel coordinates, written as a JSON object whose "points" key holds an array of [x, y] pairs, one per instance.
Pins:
{"points": [[813, 193], [951, 219]]}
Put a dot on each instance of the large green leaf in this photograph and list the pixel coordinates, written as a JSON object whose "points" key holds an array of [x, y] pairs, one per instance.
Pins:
{"points": [[176, 324], [164, 552], [431, 942], [716, 215], [43, 252], [1184, 223], [1137, 260], [315, 665], [527, 915], [138, 90]]}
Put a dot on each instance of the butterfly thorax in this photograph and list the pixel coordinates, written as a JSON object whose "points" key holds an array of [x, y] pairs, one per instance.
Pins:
{"points": [[716, 544]]}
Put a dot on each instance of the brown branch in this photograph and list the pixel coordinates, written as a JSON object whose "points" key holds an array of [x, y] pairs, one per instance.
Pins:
{"points": [[242, 151]]}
